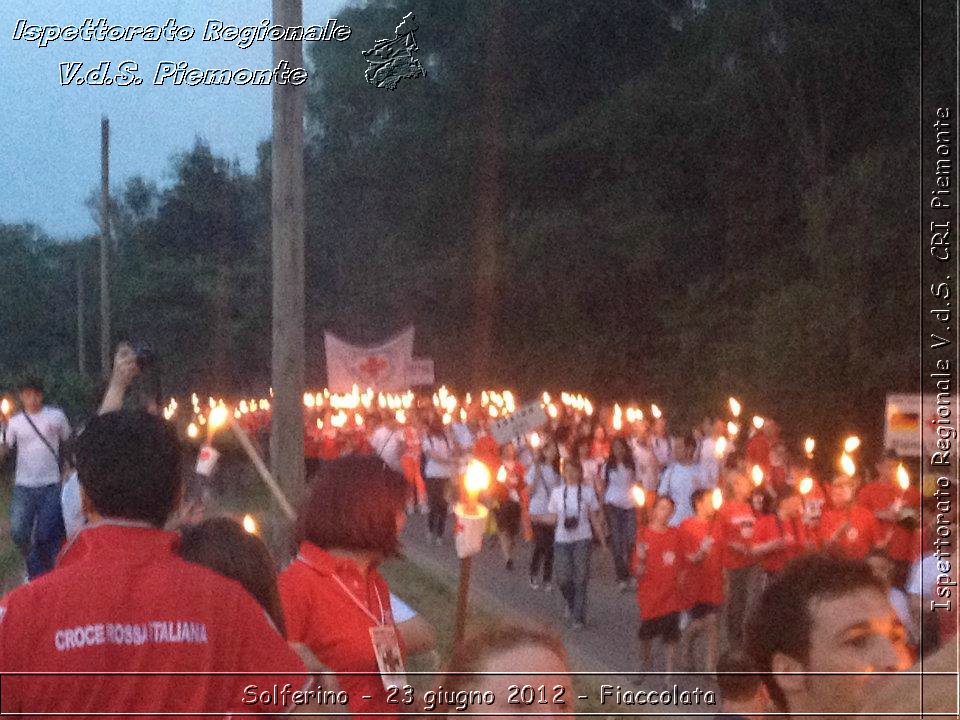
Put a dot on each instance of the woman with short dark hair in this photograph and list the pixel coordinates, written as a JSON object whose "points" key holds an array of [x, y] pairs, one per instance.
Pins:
{"points": [[334, 599]]}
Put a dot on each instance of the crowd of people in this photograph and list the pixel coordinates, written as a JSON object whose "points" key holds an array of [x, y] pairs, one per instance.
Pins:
{"points": [[735, 547]]}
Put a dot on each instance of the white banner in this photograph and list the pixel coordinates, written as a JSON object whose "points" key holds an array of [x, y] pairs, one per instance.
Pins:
{"points": [[382, 367], [526, 419], [420, 372]]}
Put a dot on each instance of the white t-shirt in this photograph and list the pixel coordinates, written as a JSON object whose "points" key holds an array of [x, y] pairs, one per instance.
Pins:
{"points": [[444, 464], [679, 482], [539, 489], [36, 465], [710, 462], [73, 517], [592, 468], [648, 469], [620, 482], [388, 444], [923, 576], [462, 435], [563, 502]]}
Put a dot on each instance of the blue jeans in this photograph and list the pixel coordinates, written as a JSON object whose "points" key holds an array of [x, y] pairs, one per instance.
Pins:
{"points": [[36, 525], [623, 535], [571, 568]]}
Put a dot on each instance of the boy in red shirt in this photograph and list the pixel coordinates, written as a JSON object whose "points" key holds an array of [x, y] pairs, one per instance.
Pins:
{"points": [[702, 577], [898, 514], [736, 519], [779, 538], [656, 565], [847, 530]]}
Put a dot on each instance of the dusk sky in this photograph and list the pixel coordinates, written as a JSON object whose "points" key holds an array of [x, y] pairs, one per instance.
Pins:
{"points": [[52, 134]]}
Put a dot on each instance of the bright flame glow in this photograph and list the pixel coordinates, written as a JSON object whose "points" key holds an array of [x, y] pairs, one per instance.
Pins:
{"points": [[847, 465], [716, 498], [732, 428], [308, 400], [721, 447], [734, 407], [808, 445], [639, 496], [534, 440], [447, 419], [655, 411], [546, 398], [476, 479], [5, 406], [552, 411], [757, 422], [618, 423], [250, 525], [502, 474], [218, 416], [806, 485], [757, 474], [851, 444], [401, 417], [192, 430], [903, 477]]}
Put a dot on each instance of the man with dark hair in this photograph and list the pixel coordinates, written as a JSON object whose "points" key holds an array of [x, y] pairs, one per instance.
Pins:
{"points": [[821, 628], [743, 695], [37, 433], [121, 599]]}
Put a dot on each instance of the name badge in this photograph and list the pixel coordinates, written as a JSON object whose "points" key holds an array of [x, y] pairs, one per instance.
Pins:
{"points": [[386, 647]]}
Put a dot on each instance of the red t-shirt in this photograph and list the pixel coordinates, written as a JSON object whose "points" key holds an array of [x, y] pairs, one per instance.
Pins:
{"points": [[701, 582], [768, 528], [904, 544], [120, 599], [858, 540], [658, 591], [736, 520], [320, 613], [758, 451]]}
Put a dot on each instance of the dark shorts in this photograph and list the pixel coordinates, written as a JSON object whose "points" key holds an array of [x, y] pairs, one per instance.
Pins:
{"points": [[508, 517], [702, 610], [665, 626]]}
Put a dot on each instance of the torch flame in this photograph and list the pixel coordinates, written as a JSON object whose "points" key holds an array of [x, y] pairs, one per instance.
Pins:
{"points": [[192, 431], [847, 465], [476, 479], [502, 474], [903, 478], [734, 407], [851, 444], [639, 496], [716, 498], [758, 422], [720, 448], [534, 440], [806, 485], [732, 428], [552, 411], [250, 525], [447, 419], [308, 400], [655, 411], [617, 423], [757, 474], [5, 406], [218, 416], [808, 446], [401, 417]]}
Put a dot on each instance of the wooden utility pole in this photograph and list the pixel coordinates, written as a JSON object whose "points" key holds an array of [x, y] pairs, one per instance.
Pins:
{"points": [[81, 329], [105, 247], [286, 435]]}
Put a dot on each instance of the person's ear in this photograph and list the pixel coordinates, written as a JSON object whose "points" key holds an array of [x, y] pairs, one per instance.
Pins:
{"points": [[790, 684]]}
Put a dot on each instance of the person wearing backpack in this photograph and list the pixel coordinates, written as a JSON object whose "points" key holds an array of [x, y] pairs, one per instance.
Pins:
{"points": [[36, 522]]}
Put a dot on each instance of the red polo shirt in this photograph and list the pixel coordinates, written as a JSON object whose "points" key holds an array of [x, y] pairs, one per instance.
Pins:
{"points": [[736, 519], [856, 541], [322, 615], [904, 544], [658, 591], [122, 600], [769, 528], [701, 582]]}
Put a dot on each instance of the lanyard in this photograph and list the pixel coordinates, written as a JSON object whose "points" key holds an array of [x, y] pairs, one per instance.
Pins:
{"points": [[356, 601]]}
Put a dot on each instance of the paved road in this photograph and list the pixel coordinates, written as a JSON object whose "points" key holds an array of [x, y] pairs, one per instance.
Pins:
{"points": [[608, 642]]}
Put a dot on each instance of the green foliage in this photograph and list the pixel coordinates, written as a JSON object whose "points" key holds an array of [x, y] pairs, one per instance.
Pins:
{"points": [[674, 201]]}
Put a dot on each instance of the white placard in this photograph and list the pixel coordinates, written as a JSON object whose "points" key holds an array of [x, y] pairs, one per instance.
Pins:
{"points": [[527, 419]]}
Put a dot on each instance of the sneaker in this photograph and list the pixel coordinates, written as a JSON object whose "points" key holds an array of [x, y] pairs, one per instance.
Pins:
{"points": [[534, 584]]}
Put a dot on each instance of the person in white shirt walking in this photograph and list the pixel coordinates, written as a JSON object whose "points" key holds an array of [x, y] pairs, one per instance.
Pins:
{"points": [[679, 481], [36, 522], [620, 477], [574, 508], [439, 466], [541, 479]]}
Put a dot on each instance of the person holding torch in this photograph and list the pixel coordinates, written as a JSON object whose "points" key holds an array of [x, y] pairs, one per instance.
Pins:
{"points": [[847, 529]]}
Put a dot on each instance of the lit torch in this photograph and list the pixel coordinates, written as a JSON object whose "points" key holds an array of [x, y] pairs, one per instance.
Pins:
{"points": [[250, 525], [757, 474], [808, 446], [734, 407], [639, 496]]}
